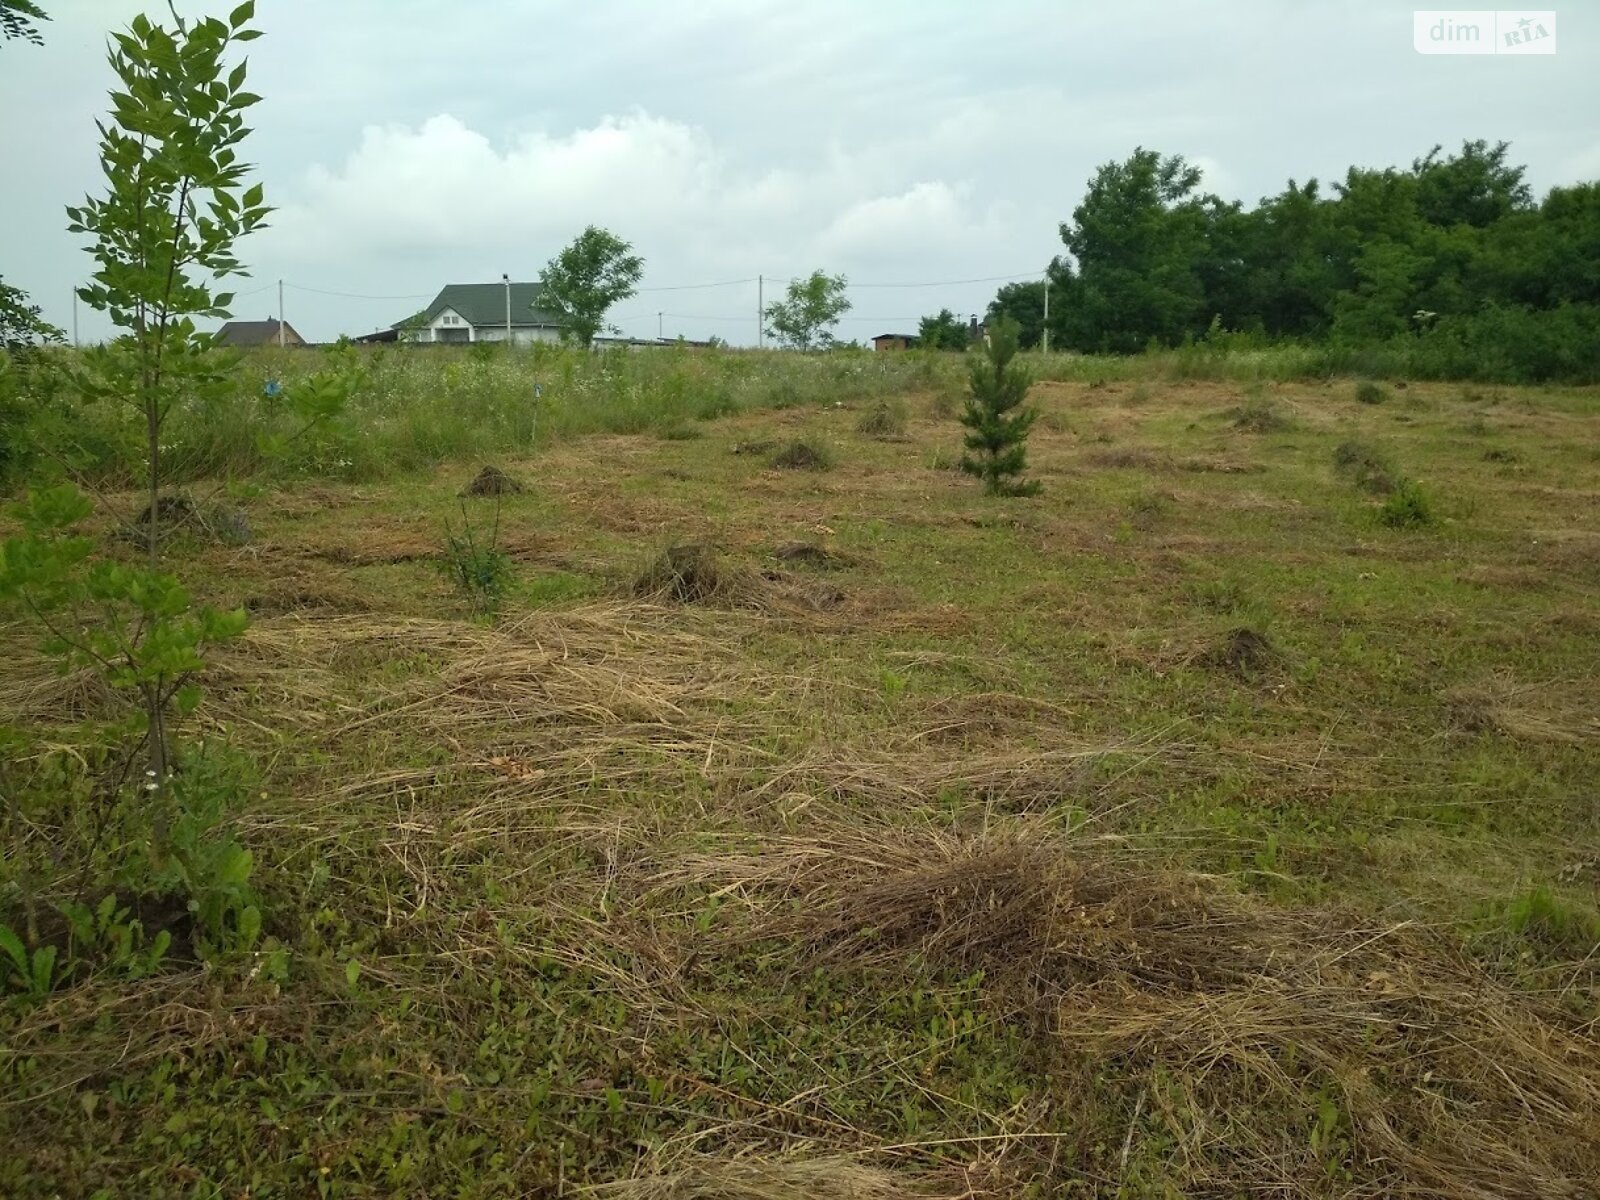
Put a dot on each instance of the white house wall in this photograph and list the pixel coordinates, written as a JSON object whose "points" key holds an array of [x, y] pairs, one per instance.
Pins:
{"points": [[447, 318], [438, 329], [524, 335]]}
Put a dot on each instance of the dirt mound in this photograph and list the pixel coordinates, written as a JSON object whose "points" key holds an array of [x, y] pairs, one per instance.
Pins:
{"points": [[181, 514], [695, 573], [812, 554], [492, 481], [1243, 651], [1259, 415], [801, 456], [688, 573], [1367, 466]]}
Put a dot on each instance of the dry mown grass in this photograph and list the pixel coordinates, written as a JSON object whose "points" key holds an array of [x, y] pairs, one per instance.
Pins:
{"points": [[1555, 711], [1270, 1050], [699, 794]]}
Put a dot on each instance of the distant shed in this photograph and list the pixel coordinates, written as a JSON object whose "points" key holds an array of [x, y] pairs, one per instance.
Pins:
{"points": [[241, 334], [894, 341]]}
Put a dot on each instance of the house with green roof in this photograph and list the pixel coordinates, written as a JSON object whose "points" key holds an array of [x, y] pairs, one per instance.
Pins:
{"points": [[483, 312]]}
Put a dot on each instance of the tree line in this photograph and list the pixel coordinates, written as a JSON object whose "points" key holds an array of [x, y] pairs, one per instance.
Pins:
{"points": [[1450, 261]]}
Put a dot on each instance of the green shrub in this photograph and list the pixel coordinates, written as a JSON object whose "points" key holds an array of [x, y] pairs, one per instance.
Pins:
{"points": [[473, 560], [1407, 507], [1368, 392]]}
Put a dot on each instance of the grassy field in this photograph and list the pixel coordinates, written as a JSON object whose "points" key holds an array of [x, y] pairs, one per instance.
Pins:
{"points": [[1190, 830]]}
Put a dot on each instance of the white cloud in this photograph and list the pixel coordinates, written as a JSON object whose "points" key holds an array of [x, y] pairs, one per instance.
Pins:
{"points": [[442, 185], [442, 189], [926, 218]]}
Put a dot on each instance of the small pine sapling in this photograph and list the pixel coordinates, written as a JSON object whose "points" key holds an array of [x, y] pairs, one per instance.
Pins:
{"points": [[996, 421]]}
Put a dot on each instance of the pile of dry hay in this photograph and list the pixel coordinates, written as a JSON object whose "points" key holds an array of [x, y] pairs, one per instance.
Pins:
{"points": [[1262, 1049], [696, 573]]}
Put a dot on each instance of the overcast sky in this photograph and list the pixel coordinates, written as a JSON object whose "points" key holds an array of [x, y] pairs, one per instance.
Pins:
{"points": [[409, 145]]}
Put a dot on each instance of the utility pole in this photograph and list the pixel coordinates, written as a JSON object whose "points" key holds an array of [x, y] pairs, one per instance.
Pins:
{"points": [[1047, 312], [506, 279], [660, 337], [280, 314], [75, 317], [761, 316]]}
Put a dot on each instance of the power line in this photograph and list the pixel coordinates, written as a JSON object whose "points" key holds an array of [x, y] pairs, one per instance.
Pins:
{"points": [[949, 282], [690, 287], [359, 296], [916, 317]]}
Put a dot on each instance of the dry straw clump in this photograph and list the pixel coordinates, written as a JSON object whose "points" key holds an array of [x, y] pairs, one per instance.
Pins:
{"points": [[1540, 712], [690, 573], [801, 455], [694, 573], [1135, 457], [885, 420], [1262, 1050]]}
